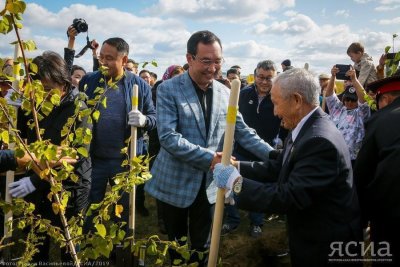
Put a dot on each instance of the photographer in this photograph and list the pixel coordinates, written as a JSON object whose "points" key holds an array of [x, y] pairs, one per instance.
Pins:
{"points": [[349, 114], [69, 52]]}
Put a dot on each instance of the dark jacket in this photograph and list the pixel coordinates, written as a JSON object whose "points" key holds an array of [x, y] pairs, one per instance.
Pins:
{"points": [[314, 187], [376, 169], [92, 80], [7, 160], [69, 56], [53, 124], [260, 117]]}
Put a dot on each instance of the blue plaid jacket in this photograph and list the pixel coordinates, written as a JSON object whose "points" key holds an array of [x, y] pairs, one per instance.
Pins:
{"points": [[186, 152]]}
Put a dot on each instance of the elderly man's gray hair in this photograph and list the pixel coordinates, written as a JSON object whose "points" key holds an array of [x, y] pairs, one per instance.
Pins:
{"points": [[299, 80]]}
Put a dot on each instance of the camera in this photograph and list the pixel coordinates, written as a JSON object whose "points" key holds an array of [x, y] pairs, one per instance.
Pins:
{"points": [[80, 25]]}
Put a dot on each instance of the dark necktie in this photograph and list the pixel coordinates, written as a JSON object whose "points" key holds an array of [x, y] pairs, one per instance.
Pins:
{"points": [[288, 147]]}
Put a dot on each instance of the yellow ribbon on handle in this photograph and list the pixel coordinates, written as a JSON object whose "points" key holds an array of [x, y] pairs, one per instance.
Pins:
{"points": [[226, 160]]}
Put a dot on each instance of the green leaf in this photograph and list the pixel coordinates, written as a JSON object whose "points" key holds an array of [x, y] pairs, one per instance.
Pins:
{"points": [[30, 45], [104, 102], [74, 177], [387, 48], [185, 255], [19, 153], [16, 7], [19, 25], [4, 27], [397, 57], [159, 262], [5, 137], [96, 115], [177, 262], [33, 67], [64, 131], [91, 102], [83, 151], [55, 99], [151, 249], [21, 224], [101, 230], [56, 208], [121, 234], [71, 137], [99, 90]]}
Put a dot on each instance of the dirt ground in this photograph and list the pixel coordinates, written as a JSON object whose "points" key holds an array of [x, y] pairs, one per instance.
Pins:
{"points": [[237, 249]]}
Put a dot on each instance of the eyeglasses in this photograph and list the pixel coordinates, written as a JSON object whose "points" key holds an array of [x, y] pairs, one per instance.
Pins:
{"points": [[349, 99], [262, 78], [208, 62]]}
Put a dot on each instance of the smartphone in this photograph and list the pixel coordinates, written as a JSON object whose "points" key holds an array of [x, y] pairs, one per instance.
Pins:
{"points": [[390, 55], [343, 68]]}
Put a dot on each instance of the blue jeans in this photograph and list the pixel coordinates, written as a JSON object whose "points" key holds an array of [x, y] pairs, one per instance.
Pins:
{"points": [[103, 170], [232, 216]]}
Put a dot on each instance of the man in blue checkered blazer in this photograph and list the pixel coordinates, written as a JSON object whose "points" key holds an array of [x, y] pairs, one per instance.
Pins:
{"points": [[191, 120]]}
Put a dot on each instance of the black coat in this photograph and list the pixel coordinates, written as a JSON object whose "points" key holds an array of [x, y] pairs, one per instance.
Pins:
{"points": [[377, 170], [260, 117], [7, 160], [314, 188], [53, 125]]}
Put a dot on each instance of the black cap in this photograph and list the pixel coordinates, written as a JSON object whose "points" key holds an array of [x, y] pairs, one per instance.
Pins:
{"points": [[286, 62], [350, 93]]}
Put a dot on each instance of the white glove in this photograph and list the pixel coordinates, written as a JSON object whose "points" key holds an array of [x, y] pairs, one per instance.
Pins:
{"points": [[136, 118], [225, 176], [22, 187]]}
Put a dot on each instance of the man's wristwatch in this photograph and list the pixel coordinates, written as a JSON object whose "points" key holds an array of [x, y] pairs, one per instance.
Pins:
{"points": [[237, 186]]}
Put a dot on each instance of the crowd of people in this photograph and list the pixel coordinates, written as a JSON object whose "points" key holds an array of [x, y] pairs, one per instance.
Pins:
{"points": [[324, 159]]}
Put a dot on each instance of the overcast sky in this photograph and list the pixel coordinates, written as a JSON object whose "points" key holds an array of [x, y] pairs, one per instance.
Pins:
{"points": [[317, 32]]}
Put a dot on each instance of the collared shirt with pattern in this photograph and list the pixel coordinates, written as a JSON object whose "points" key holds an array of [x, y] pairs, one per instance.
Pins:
{"points": [[349, 122]]}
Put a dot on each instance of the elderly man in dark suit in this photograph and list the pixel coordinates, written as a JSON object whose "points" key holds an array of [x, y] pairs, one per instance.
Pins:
{"points": [[311, 180]]}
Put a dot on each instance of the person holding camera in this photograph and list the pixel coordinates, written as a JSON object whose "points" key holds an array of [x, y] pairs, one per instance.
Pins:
{"points": [[350, 113], [79, 25]]}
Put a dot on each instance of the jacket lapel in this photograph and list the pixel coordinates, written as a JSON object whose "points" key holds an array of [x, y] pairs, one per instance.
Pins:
{"points": [[189, 93], [316, 114], [288, 165], [215, 109]]}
